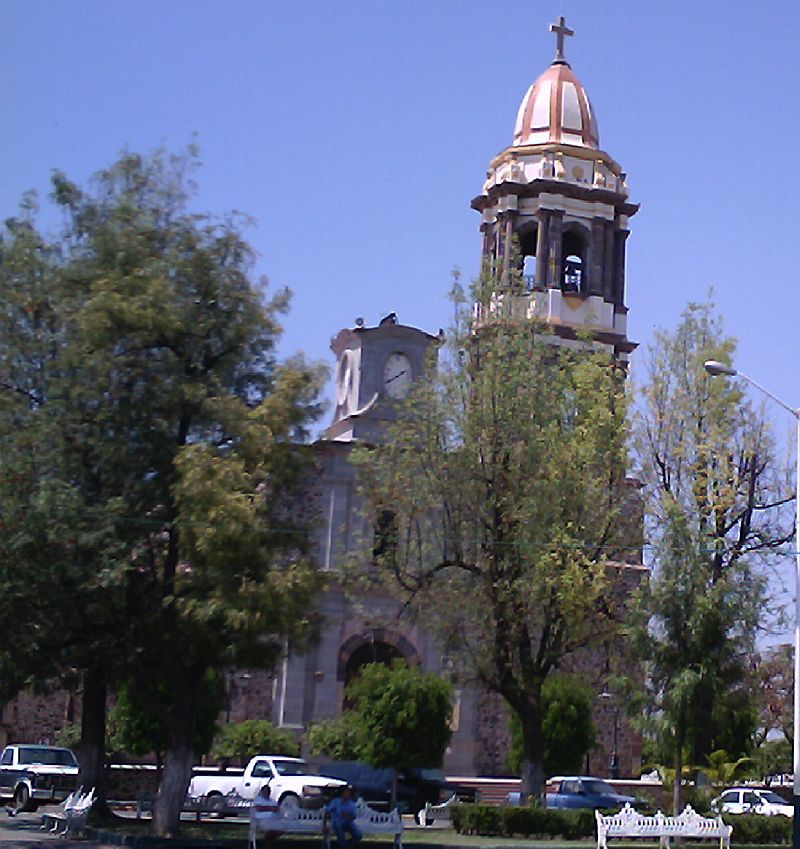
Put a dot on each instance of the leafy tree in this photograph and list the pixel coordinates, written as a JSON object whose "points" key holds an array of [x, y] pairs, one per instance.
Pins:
{"points": [[402, 715], [335, 738], [69, 735], [505, 476], [567, 726], [775, 686], [133, 727], [148, 455], [772, 758], [722, 771], [241, 741], [714, 492]]}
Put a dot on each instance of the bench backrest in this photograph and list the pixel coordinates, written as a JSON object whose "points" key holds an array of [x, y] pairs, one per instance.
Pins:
{"points": [[687, 824]]}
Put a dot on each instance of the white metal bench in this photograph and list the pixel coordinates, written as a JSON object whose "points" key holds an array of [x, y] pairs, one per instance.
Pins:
{"points": [[70, 816], [629, 823], [430, 812], [302, 821]]}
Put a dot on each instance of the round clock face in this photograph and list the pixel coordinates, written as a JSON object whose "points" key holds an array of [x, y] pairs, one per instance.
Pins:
{"points": [[397, 375], [344, 375]]}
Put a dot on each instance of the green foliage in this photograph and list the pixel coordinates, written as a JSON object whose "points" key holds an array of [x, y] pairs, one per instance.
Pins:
{"points": [[136, 726], [505, 473], [336, 738], [714, 490], [699, 798], [532, 822], [567, 726], [69, 735], [538, 822], [240, 741], [722, 771], [149, 450], [771, 758], [755, 830], [401, 714]]}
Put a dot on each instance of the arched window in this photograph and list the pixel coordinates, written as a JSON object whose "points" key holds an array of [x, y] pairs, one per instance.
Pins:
{"points": [[573, 266], [527, 256]]}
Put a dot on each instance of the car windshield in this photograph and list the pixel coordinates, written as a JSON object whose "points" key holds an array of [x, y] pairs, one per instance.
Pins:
{"points": [[600, 787], [773, 798], [291, 767], [45, 755]]}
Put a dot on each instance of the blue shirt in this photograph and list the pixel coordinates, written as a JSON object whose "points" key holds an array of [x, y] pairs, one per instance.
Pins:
{"points": [[342, 810]]}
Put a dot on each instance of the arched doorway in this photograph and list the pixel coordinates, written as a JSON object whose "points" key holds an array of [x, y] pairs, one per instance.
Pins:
{"points": [[371, 652], [376, 646]]}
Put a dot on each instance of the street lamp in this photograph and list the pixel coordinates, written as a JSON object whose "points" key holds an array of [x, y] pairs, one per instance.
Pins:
{"points": [[613, 764], [718, 369]]}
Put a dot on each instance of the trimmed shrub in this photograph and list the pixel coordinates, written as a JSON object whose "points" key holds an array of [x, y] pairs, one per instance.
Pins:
{"points": [[756, 830], [529, 821]]}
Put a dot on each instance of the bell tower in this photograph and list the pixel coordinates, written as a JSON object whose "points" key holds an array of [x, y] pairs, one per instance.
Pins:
{"points": [[555, 209]]}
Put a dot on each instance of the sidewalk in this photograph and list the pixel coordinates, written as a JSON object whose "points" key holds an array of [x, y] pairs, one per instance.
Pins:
{"points": [[23, 832]]}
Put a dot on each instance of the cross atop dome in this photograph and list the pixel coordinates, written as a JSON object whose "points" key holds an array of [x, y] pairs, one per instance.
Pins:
{"points": [[561, 30]]}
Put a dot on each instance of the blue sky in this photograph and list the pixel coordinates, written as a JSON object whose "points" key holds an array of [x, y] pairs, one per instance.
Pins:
{"points": [[356, 133]]}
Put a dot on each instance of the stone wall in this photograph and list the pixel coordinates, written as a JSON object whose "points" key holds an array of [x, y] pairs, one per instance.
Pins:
{"points": [[37, 717]]}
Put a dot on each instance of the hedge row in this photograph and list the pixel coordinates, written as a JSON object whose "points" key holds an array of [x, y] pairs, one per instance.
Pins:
{"points": [[532, 821], [523, 822], [759, 830]]}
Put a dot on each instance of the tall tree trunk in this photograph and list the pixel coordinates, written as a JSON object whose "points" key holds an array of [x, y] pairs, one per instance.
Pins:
{"points": [[677, 788], [92, 749], [702, 724], [393, 801], [532, 752], [179, 759]]}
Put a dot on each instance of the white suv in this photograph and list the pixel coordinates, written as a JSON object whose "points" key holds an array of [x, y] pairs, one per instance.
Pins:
{"points": [[749, 800]]}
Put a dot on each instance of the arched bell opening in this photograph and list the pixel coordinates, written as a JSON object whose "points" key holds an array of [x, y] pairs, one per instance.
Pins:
{"points": [[573, 262], [527, 255]]}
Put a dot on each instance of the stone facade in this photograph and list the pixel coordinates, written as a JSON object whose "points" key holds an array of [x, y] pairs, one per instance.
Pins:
{"points": [[37, 717]]}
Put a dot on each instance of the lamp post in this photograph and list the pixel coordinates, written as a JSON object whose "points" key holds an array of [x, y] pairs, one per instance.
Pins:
{"points": [[613, 763], [718, 369]]}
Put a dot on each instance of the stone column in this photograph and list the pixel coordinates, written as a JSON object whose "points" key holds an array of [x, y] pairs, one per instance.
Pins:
{"points": [[543, 217], [619, 281], [608, 263], [486, 230], [554, 258], [508, 244], [596, 257]]}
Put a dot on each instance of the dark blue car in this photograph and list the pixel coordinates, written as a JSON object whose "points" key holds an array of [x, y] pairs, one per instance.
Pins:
{"points": [[579, 791]]}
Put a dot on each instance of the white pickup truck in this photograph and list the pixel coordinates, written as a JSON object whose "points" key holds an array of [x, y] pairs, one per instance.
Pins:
{"points": [[291, 782], [30, 774]]}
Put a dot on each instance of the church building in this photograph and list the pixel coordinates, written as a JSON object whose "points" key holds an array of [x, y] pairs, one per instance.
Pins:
{"points": [[564, 201]]}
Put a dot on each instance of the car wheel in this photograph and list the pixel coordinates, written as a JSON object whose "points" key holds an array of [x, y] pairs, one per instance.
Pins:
{"points": [[22, 799], [289, 803], [214, 803]]}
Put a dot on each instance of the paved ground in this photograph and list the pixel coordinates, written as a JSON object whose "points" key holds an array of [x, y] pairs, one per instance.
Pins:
{"points": [[23, 832]]}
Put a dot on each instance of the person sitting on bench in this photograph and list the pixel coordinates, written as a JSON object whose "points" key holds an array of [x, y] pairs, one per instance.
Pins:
{"points": [[266, 813], [342, 812]]}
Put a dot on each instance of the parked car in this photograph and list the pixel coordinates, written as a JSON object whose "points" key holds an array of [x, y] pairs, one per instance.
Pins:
{"points": [[751, 800], [291, 780], [583, 791], [415, 787], [30, 774]]}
